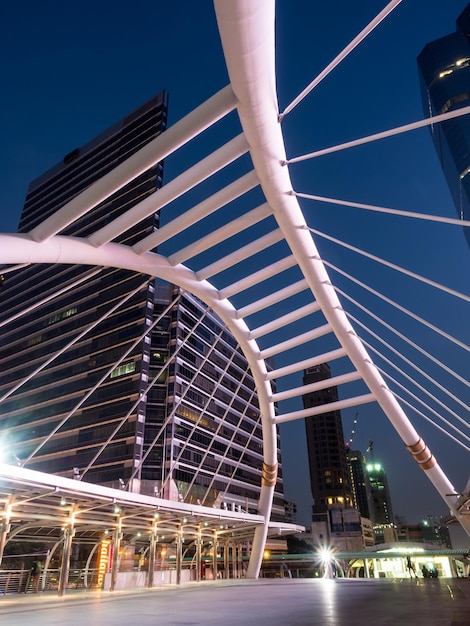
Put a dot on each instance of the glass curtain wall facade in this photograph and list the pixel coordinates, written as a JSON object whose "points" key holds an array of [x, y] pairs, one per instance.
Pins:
{"points": [[203, 432], [444, 67], [176, 414], [45, 423]]}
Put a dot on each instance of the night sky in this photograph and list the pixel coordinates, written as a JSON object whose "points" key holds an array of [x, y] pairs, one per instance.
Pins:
{"points": [[69, 70]]}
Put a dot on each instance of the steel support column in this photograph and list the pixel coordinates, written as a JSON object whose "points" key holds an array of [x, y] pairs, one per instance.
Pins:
{"points": [[69, 532], [226, 559], [116, 548], [198, 557], [152, 554], [179, 557], [214, 556]]}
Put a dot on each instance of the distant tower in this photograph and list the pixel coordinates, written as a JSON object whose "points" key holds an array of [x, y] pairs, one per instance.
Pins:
{"points": [[329, 476], [444, 67], [359, 480], [380, 503]]}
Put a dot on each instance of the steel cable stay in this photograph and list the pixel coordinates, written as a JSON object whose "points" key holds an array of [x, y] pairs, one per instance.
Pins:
{"points": [[407, 312], [365, 32], [185, 390], [124, 419], [398, 268], [52, 296], [429, 408], [379, 209], [74, 340], [85, 397], [410, 363], [429, 121], [172, 413], [256, 425], [409, 378], [142, 395], [425, 417], [232, 437]]}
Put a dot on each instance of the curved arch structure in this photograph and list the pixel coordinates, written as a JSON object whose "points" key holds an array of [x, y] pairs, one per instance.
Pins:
{"points": [[247, 31]]}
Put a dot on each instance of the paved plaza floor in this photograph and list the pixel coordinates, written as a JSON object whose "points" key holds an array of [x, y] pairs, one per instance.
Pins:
{"points": [[264, 602]]}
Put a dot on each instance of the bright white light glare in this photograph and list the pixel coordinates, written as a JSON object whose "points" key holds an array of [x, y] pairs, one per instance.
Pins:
{"points": [[326, 555]]}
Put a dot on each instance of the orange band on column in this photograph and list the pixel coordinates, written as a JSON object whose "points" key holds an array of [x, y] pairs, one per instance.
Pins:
{"points": [[422, 455], [269, 477]]}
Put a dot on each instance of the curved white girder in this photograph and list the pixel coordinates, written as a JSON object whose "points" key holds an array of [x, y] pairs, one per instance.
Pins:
{"points": [[247, 32], [19, 248]]}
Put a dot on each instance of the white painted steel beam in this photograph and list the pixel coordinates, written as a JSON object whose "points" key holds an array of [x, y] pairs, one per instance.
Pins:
{"points": [[298, 340], [243, 253], [258, 277], [325, 408], [189, 127], [174, 189], [203, 209], [285, 320], [247, 33], [335, 381], [234, 227], [274, 298], [298, 366]]}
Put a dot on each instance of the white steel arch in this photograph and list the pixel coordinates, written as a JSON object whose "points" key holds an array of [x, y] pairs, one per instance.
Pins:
{"points": [[247, 31]]}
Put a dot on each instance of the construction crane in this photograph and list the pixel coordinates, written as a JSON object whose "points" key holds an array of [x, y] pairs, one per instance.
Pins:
{"points": [[353, 430]]}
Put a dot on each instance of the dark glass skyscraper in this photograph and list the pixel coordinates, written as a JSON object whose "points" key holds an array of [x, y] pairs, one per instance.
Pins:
{"points": [[147, 389], [61, 417], [444, 67], [203, 433], [329, 477]]}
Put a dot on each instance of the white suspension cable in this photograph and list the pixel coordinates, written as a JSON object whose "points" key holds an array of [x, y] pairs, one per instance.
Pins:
{"points": [[410, 393], [145, 392], [417, 369], [379, 295], [72, 342], [395, 267], [249, 436], [406, 339], [388, 133], [370, 207], [102, 379], [53, 295], [428, 419], [342, 55], [202, 411]]}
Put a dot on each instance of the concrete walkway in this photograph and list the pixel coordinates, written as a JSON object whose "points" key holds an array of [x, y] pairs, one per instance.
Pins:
{"points": [[265, 602]]}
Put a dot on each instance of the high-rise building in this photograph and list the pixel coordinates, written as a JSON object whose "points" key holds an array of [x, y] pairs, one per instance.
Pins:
{"points": [[329, 477], [96, 313], [380, 503], [147, 389], [444, 67], [203, 433], [359, 481]]}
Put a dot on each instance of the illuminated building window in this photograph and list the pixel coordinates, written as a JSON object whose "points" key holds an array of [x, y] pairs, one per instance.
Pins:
{"points": [[122, 370], [61, 316], [34, 340]]}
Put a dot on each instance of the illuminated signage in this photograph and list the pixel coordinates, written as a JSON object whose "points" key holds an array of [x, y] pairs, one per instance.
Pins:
{"points": [[104, 555]]}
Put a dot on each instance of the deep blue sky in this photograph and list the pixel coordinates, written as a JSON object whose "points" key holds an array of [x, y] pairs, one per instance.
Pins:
{"points": [[71, 69]]}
